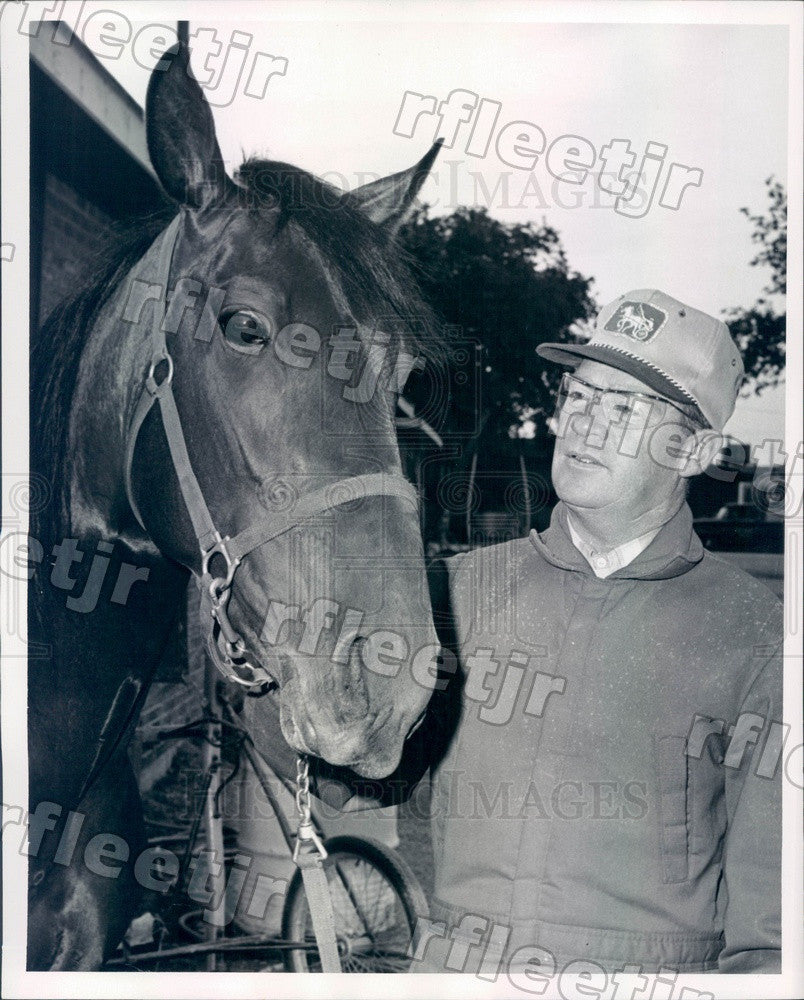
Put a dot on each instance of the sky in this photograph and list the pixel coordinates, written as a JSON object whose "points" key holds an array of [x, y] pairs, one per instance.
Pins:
{"points": [[711, 98]]}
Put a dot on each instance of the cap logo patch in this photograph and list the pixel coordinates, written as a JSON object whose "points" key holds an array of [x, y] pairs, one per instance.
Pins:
{"points": [[636, 320]]}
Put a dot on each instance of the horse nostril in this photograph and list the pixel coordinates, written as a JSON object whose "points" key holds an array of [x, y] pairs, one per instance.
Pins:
{"points": [[355, 659], [351, 677]]}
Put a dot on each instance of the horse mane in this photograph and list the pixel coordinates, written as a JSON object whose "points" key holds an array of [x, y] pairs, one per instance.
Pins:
{"points": [[56, 351]]}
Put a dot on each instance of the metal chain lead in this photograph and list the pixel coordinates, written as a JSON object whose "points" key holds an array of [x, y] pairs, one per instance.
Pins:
{"points": [[306, 831], [303, 789]]}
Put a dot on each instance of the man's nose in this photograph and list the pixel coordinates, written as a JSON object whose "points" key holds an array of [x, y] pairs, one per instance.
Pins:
{"points": [[590, 425]]}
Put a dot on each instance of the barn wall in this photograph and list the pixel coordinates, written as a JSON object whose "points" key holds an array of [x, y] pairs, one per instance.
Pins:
{"points": [[82, 181], [73, 230]]}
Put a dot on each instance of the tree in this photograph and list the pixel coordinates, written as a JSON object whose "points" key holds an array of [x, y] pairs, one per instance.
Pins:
{"points": [[509, 288], [760, 331]]}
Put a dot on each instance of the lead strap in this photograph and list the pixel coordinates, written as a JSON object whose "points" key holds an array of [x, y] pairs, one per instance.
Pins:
{"points": [[309, 855]]}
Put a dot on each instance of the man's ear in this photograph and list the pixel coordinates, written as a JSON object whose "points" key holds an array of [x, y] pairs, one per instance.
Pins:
{"points": [[701, 448], [390, 200]]}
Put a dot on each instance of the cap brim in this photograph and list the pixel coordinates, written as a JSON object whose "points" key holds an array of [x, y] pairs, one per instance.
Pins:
{"points": [[572, 354]]}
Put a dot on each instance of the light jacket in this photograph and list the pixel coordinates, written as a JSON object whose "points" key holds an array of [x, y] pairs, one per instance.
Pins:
{"points": [[590, 804]]}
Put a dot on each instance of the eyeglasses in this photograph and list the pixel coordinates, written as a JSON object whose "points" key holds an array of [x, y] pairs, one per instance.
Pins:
{"points": [[575, 396]]}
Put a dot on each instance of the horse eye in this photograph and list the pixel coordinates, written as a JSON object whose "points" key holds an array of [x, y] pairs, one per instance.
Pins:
{"points": [[245, 331]]}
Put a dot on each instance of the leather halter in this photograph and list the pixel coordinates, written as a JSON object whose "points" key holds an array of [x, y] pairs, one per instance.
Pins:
{"points": [[226, 647]]}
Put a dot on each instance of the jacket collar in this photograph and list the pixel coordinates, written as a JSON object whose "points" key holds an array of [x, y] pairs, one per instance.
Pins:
{"points": [[674, 551]]}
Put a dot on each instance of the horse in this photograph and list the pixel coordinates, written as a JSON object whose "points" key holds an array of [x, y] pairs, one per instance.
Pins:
{"points": [[224, 386]]}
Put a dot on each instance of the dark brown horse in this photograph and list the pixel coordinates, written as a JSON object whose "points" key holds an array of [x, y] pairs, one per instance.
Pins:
{"points": [[197, 410]]}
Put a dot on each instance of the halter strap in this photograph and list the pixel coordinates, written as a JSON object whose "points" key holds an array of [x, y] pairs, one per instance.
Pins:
{"points": [[312, 504], [232, 660], [165, 243]]}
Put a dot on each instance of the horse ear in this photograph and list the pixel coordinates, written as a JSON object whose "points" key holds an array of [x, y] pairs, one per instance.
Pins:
{"points": [[181, 133], [389, 201]]}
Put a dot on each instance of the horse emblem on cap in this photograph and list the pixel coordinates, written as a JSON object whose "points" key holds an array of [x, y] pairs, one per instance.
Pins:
{"points": [[637, 320]]}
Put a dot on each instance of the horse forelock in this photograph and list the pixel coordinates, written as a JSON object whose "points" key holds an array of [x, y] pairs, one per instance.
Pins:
{"points": [[372, 276]]}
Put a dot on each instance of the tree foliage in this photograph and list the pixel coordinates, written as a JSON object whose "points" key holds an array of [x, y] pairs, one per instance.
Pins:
{"points": [[509, 288], [760, 331]]}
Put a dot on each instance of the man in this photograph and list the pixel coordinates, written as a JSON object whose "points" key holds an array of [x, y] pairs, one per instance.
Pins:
{"points": [[605, 787], [595, 803]]}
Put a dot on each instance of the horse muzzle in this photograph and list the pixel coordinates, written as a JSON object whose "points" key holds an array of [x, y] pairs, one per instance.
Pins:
{"points": [[341, 713]]}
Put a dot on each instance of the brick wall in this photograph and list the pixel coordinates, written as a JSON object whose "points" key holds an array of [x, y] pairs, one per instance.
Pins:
{"points": [[73, 230]]}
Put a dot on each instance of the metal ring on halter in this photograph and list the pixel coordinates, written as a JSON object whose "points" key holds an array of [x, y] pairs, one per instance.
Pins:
{"points": [[220, 583], [235, 650], [150, 381], [225, 661]]}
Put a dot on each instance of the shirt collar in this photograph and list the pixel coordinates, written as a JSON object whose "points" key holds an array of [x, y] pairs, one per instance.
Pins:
{"points": [[604, 562], [674, 550]]}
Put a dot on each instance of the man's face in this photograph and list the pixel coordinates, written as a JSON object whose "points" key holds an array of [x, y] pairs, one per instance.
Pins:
{"points": [[605, 456]]}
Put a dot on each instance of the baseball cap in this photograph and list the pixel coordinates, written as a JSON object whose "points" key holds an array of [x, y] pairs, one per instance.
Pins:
{"points": [[682, 353]]}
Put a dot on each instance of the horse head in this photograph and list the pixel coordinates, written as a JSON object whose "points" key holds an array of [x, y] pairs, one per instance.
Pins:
{"points": [[289, 328]]}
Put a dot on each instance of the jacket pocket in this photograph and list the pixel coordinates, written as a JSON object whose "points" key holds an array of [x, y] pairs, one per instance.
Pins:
{"points": [[673, 772]]}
